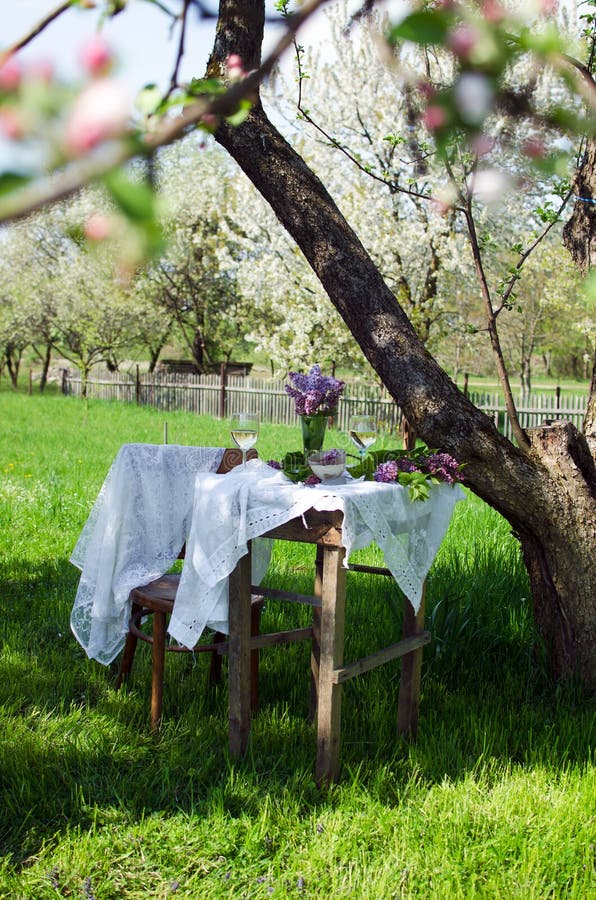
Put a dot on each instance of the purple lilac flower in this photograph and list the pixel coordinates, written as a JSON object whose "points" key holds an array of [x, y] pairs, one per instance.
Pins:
{"points": [[442, 466], [406, 465], [312, 479], [314, 393], [386, 472], [330, 456], [274, 464]]}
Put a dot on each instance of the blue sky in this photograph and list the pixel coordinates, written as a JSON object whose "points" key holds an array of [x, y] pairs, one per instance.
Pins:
{"points": [[139, 36]]}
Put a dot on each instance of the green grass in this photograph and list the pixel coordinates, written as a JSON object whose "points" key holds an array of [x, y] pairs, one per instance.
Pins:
{"points": [[495, 799]]}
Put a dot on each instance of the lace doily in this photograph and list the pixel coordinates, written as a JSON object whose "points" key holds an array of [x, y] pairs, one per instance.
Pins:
{"points": [[248, 503], [134, 534]]}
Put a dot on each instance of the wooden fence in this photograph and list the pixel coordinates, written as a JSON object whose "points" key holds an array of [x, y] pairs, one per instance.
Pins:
{"points": [[219, 397]]}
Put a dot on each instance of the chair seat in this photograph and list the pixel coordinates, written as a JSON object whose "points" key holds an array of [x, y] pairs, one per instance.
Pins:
{"points": [[157, 599], [159, 596]]}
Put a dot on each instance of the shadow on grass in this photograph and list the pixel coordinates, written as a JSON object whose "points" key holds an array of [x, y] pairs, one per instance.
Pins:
{"points": [[74, 753]]}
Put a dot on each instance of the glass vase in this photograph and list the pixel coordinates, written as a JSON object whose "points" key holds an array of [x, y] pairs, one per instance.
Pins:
{"points": [[313, 433]]}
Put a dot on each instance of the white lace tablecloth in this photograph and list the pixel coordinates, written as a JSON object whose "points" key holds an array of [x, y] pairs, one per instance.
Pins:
{"points": [[134, 533], [229, 511]]}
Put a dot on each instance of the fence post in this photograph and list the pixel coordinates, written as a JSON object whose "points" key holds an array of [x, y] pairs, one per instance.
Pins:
{"points": [[64, 385], [137, 386], [466, 379], [30, 381], [222, 390], [558, 395]]}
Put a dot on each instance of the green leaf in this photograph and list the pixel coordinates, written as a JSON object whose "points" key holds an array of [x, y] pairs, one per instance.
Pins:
{"points": [[238, 117], [148, 100], [10, 181], [426, 27], [293, 466], [545, 41], [134, 198], [200, 86], [417, 484]]}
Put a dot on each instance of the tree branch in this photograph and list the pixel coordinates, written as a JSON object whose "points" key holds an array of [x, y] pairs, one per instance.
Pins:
{"points": [[30, 198], [35, 31]]}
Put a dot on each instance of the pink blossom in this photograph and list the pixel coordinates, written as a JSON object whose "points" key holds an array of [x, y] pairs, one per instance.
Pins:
{"points": [[98, 227], [493, 12], [11, 123], [482, 144], [100, 112], [10, 74], [534, 148], [209, 120], [96, 56], [441, 207], [427, 89], [547, 7], [235, 67], [41, 71], [434, 117], [462, 40]]}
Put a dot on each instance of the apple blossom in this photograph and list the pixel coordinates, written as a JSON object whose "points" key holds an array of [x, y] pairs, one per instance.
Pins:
{"points": [[462, 40], [234, 67], [41, 71], [534, 148], [489, 185], [10, 74], [11, 123], [100, 112], [98, 227], [493, 12], [96, 56], [434, 117], [474, 97]]}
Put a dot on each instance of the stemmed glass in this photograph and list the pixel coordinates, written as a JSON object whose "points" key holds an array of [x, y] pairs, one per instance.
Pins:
{"points": [[363, 433], [244, 429]]}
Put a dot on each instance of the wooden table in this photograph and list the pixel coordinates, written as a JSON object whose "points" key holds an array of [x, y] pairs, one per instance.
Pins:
{"points": [[328, 671]]}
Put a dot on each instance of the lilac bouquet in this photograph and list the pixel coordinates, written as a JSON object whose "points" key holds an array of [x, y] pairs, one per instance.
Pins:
{"points": [[314, 393], [418, 471], [438, 465]]}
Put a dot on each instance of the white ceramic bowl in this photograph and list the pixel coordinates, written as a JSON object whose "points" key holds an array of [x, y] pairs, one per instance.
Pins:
{"points": [[327, 464]]}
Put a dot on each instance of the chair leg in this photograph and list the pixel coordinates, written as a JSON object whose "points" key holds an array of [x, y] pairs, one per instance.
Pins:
{"points": [[128, 654], [216, 659], [255, 629], [157, 674]]}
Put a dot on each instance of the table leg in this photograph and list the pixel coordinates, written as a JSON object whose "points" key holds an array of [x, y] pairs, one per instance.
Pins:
{"points": [[315, 652], [239, 668], [332, 645], [411, 670]]}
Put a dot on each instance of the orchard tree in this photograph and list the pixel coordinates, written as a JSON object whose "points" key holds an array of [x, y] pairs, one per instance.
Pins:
{"points": [[194, 281], [544, 483]]}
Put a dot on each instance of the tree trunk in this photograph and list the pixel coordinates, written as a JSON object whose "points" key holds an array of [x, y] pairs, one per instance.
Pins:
{"points": [[45, 367], [561, 555], [547, 494]]}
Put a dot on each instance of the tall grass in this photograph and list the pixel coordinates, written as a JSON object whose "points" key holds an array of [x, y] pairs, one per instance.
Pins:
{"points": [[495, 799]]}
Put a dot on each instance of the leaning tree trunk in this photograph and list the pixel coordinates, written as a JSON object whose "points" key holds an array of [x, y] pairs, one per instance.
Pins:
{"points": [[547, 494], [579, 236]]}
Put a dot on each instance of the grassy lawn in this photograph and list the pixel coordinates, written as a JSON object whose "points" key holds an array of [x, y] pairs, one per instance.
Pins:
{"points": [[497, 798]]}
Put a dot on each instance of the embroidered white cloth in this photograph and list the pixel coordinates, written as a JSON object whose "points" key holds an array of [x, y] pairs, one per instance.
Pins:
{"points": [[230, 511], [134, 534]]}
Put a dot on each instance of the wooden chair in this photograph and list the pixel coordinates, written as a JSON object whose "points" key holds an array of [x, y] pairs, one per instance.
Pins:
{"points": [[156, 599]]}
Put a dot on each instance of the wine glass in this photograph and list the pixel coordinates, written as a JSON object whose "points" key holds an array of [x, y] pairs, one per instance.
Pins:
{"points": [[244, 429], [363, 433]]}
